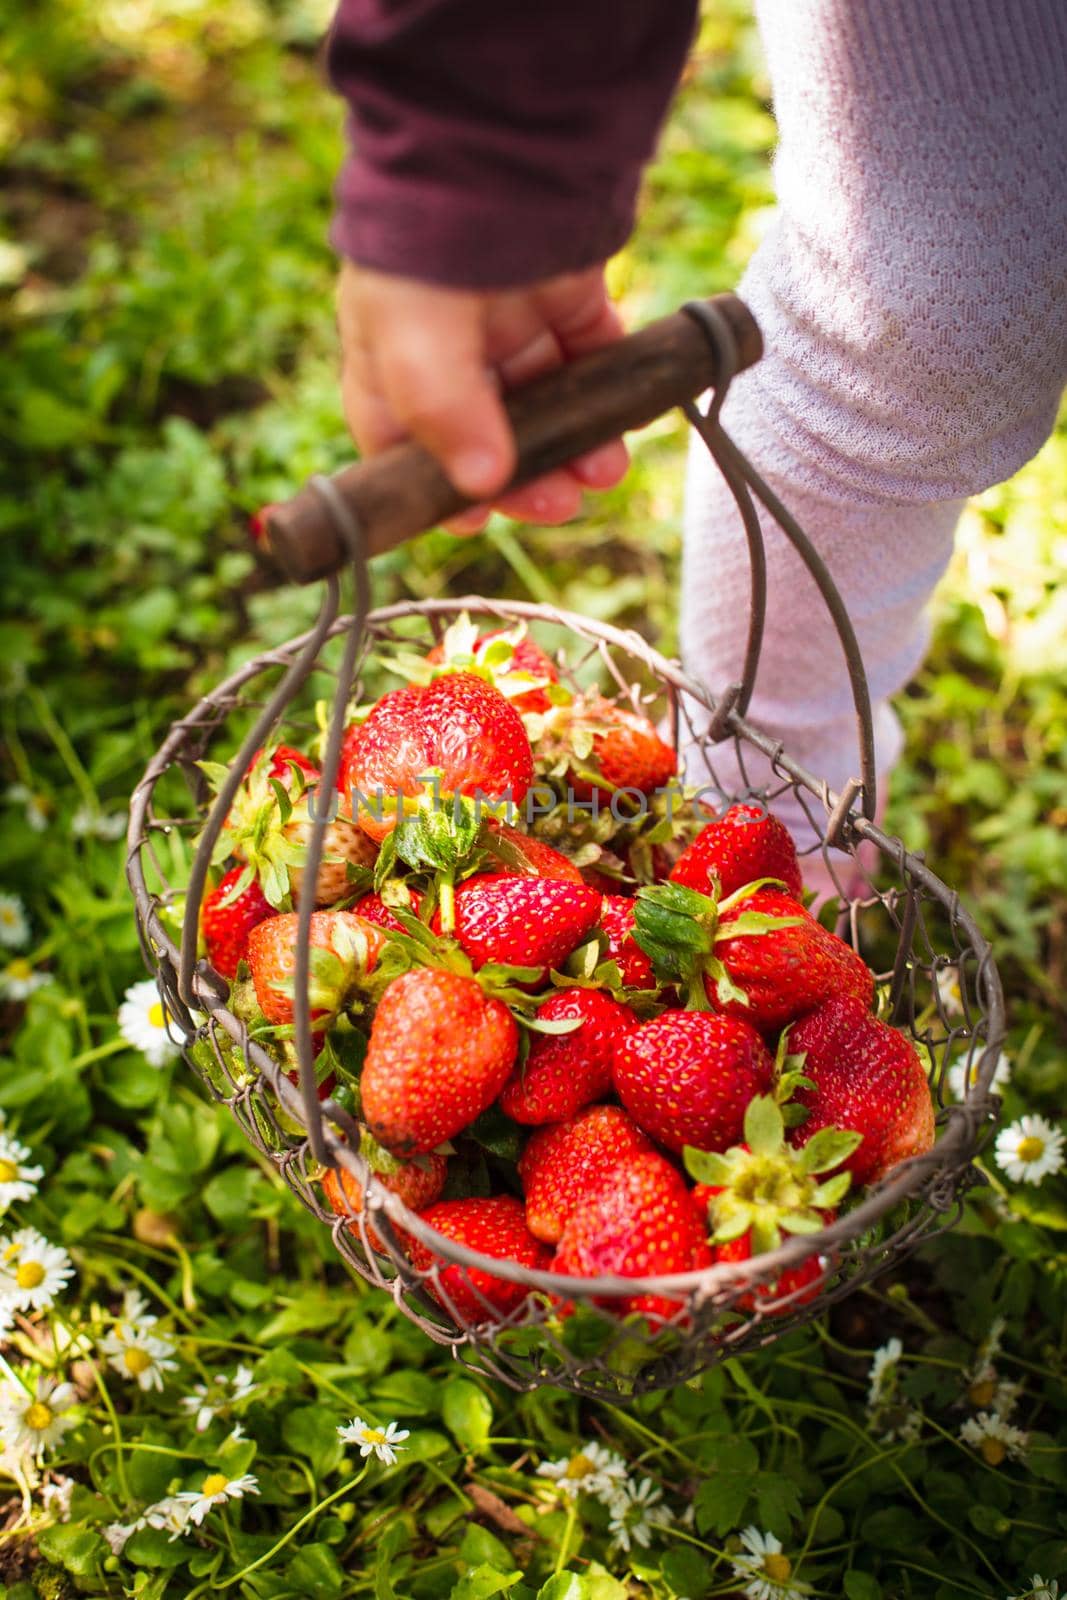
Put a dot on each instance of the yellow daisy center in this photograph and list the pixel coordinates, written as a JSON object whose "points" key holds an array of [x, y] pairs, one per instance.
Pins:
{"points": [[373, 1436], [29, 1275], [214, 1484], [1031, 1148], [7, 916], [777, 1567], [578, 1467], [993, 1451], [157, 1017], [19, 969], [981, 1394], [8, 1171], [137, 1360], [38, 1416]]}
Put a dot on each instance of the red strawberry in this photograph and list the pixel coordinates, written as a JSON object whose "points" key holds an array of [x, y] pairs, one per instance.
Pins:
{"points": [[344, 951], [372, 908], [458, 726], [525, 853], [614, 745], [786, 971], [496, 1227], [687, 1076], [641, 1224], [566, 1071], [744, 844], [418, 1183], [564, 1165], [807, 1277], [515, 659], [227, 919], [439, 1054], [617, 921], [868, 1077], [758, 956], [523, 922], [270, 831]]}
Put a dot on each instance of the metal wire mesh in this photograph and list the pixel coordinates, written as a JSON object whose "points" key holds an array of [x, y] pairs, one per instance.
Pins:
{"points": [[938, 971]]}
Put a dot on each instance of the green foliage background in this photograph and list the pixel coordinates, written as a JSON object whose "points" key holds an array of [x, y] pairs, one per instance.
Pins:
{"points": [[165, 293]]}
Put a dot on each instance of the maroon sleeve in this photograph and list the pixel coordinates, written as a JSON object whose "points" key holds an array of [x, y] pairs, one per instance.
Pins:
{"points": [[497, 142]]}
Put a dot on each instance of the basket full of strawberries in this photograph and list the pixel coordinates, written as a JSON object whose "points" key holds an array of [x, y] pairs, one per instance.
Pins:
{"points": [[534, 1009]]}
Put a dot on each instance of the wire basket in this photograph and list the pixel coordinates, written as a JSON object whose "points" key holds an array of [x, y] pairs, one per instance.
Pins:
{"points": [[568, 1332]]}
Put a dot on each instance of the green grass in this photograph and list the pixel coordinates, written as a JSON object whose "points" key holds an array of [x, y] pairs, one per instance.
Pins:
{"points": [[167, 309]]}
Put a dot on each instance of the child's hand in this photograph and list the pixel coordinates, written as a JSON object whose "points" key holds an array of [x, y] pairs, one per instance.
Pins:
{"points": [[428, 363]]}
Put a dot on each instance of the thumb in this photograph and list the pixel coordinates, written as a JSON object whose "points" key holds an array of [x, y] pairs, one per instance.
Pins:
{"points": [[430, 354]]}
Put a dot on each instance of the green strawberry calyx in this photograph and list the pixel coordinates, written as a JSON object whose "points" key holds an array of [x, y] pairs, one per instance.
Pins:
{"points": [[766, 1188], [678, 929], [462, 651]]}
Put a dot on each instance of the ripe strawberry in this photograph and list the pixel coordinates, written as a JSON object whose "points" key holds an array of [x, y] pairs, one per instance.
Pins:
{"points": [[526, 854], [522, 922], [344, 951], [744, 844], [226, 920], [617, 921], [508, 658], [458, 726], [868, 1076], [439, 1054], [614, 746], [495, 1226], [270, 823], [566, 1071], [757, 955], [372, 908], [687, 1076], [803, 1281], [564, 1164], [760, 1191], [641, 1224], [418, 1184]]}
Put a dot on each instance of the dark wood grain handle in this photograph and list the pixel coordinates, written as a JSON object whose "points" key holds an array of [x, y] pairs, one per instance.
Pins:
{"points": [[404, 491]]}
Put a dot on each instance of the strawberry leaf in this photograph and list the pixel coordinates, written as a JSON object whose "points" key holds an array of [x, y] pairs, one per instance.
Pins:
{"points": [[766, 1234], [750, 923], [707, 1166], [677, 898], [552, 1025], [802, 1222], [795, 1115], [827, 1149], [738, 1222], [832, 1192], [726, 990], [764, 1128]]}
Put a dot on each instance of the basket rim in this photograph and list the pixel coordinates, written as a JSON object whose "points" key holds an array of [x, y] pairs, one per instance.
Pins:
{"points": [[952, 1152]]}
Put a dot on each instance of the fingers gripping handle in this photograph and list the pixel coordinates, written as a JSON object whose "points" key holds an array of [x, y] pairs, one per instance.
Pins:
{"points": [[403, 491]]}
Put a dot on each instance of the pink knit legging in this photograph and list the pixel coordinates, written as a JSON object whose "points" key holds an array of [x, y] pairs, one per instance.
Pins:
{"points": [[912, 294]]}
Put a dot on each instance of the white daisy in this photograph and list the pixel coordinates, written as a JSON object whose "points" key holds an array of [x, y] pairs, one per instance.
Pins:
{"points": [[206, 1401], [55, 1497], [118, 1534], [1040, 1589], [592, 1470], [89, 824], [963, 1075], [18, 1180], [947, 982], [1029, 1150], [18, 980], [215, 1490], [174, 1513], [993, 1438], [882, 1374], [380, 1442], [145, 1024], [766, 1571], [636, 1513], [30, 1424], [38, 807], [32, 1271], [136, 1354], [14, 927]]}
